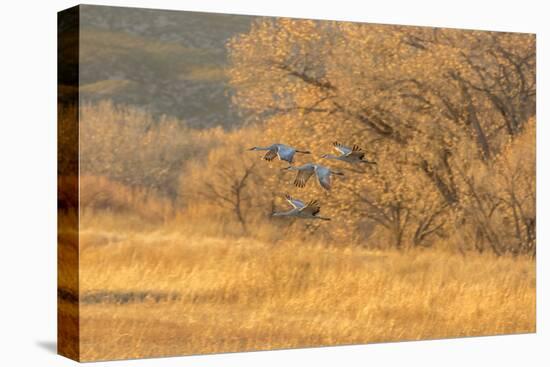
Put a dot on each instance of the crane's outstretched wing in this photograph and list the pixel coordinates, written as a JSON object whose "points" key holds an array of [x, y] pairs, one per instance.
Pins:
{"points": [[357, 152], [286, 153], [298, 204], [271, 154], [312, 208], [354, 151], [324, 181], [323, 176], [302, 177], [342, 148]]}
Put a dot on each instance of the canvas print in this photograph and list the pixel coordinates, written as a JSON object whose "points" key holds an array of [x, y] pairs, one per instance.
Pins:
{"points": [[234, 183]]}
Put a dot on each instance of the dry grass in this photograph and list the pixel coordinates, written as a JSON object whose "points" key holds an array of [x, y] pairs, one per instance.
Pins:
{"points": [[163, 292]]}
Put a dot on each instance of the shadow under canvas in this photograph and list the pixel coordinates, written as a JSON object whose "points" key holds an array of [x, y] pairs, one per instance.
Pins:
{"points": [[48, 345]]}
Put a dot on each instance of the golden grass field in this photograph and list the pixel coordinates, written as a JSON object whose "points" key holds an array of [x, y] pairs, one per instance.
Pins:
{"points": [[148, 292]]}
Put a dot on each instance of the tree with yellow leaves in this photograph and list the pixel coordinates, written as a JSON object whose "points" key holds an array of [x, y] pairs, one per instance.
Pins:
{"points": [[431, 106]]}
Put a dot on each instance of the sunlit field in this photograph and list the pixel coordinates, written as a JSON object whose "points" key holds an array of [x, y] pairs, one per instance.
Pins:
{"points": [[166, 292]]}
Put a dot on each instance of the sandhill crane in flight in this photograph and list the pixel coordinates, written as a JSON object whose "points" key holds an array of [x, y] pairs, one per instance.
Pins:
{"points": [[305, 171], [347, 154], [301, 210], [284, 152]]}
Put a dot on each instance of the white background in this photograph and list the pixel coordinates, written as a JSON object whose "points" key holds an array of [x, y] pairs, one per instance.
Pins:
{"points": [[28, 182]]}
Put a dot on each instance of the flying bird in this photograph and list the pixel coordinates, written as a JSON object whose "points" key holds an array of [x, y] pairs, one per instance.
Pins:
{"points": [[350, 155], [284, 152], [307, 170], [300, 210]]}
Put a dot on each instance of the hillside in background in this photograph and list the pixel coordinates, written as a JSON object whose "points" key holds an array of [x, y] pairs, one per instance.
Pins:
{"points": [[166, 62]]}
